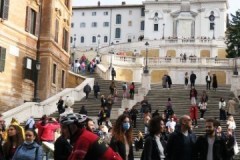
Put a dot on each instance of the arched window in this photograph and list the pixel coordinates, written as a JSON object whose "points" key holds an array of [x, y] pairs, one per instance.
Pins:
{"points": [[105, 39], [117, 33], [118, 19], [82, 39], [93, 39]]}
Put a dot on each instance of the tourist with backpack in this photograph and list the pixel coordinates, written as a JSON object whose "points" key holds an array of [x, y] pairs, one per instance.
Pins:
{"points": [[86, 145]]}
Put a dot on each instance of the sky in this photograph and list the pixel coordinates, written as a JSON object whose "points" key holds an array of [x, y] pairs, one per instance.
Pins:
{"points": [[233, 4]]}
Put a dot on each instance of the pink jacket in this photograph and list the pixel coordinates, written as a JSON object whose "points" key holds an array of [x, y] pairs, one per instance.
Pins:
{"points": [[46, 133]]}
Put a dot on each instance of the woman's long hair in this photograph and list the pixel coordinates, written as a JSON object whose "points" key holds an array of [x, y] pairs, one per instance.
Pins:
{"points": [[10, 140], [118, 131]]}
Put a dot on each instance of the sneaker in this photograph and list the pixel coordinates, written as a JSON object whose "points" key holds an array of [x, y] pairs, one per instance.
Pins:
{"points": [[196, 127], [201, 118]]}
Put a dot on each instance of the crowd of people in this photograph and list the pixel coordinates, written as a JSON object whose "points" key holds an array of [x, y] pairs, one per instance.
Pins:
{"points": [[83, 64]]}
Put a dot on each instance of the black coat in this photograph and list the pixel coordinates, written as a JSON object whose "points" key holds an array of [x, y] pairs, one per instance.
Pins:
{"points": [[151, 150], [96, 88], [62, 149], [175, 145], [119, 147], [201, 148], [193, 77]]}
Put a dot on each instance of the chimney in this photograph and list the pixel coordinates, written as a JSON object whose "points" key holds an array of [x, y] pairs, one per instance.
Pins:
{"points": [[99, 3], [123, 3]]}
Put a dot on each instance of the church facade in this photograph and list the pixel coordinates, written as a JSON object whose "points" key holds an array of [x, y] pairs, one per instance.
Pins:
{"points": [[191, 27]]}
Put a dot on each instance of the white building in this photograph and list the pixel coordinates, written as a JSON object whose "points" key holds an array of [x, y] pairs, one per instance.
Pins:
{"points": [[117, 24], [193, 27]]}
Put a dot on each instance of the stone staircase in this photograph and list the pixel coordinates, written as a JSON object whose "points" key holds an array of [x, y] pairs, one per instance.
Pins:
{"points": [[158, 97]]}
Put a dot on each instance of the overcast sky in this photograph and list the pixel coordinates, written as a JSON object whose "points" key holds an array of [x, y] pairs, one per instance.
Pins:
{"points": [[233, 4]]}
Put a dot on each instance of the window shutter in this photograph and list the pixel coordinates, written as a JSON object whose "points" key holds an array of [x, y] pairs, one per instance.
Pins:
{"points": [[2, 58], [28, 19], [37, 25], [5, 9], [56, 30]]}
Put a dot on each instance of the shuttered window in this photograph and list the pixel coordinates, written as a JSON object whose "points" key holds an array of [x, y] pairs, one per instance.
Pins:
{"points": [[56, 30], [54, 76], [65, 40], [32, 21], [4, 5], [2, 58]]}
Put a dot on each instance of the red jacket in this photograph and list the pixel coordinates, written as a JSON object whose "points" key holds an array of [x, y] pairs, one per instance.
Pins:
{"points": [[46, 133], [84, 140], [194, 112]]}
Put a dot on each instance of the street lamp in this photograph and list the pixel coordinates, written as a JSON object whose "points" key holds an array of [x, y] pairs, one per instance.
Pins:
{"points": [[37, 69], [112, 52], [213, 31], [235, 71], [98, 37], [146, 66], [163, 30]]}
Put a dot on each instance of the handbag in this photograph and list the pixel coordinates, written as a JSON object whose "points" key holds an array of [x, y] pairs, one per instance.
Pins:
{"points": [[235, 148]]}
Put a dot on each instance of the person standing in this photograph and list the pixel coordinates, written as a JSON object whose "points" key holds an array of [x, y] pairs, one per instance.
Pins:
{"points": [[155, 145], [194, 114], [87, 89], [193, 78], [133, 114], [186, 77], [96, 89], [193, 95], [132, 90], [208, 81], [210, 146], [30, 149], [215, 83], [60, 107], [231, 107], [169, 81], [164, 81], [112, 87], [122, 140], [181, 142], [222, 108], [113, 72]]}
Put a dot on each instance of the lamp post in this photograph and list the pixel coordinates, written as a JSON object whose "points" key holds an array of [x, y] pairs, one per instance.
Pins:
{"points": [[37, 69], [163, 30], [146, 66], [213, 31], [112, 52], [98, 38], [235, 71]]}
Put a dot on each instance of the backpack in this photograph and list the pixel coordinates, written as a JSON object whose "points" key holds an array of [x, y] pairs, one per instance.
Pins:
{"points": [[124, 87]]}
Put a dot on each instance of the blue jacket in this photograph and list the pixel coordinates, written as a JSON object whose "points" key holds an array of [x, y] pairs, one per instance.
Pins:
{"points": [[31, 151]]}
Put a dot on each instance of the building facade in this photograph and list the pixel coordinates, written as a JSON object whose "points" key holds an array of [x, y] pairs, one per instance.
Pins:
{"points": [[33, 32], [183, 27]]}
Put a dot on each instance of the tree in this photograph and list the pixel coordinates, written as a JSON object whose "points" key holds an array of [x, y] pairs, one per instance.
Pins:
{"points": [[233, 36]]}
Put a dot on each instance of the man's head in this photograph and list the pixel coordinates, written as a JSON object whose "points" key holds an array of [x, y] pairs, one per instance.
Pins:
{"points": [[210, 127], [70, 123], [90, 126], [185, 122]]}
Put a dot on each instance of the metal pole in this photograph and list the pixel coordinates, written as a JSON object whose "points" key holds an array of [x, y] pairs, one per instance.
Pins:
{"points": [[146, 67]]}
